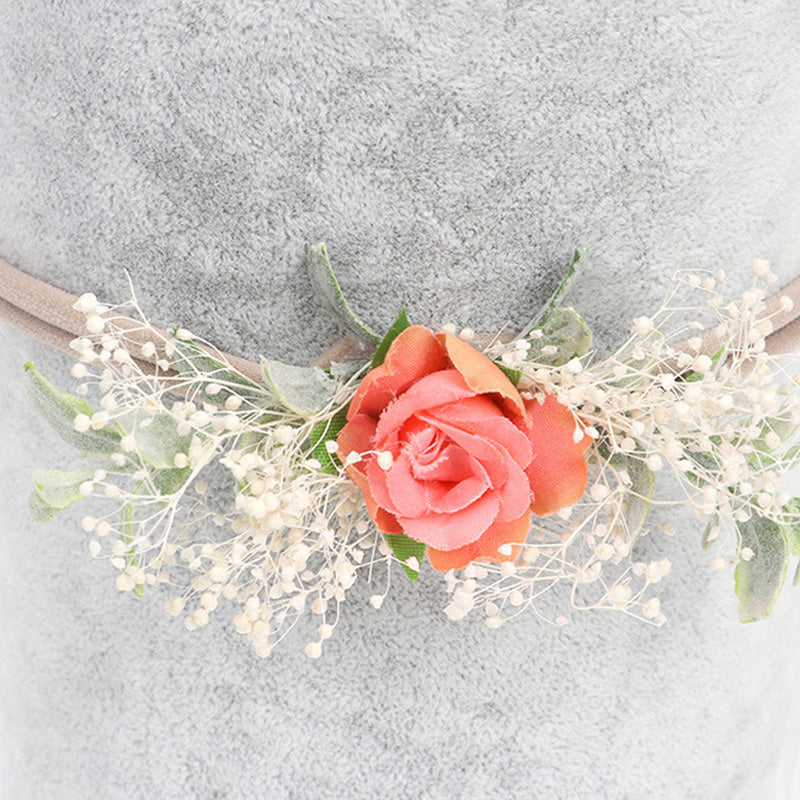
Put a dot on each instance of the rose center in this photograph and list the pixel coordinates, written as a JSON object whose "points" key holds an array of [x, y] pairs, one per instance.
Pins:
{"points": [[435, 457]]}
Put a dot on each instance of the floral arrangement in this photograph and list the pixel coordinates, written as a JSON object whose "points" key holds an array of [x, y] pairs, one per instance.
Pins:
{"points": [[514, 467]]}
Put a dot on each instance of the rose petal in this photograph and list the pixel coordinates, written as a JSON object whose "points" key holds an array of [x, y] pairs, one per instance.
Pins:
{"points": [[428, 392], [450, 531], [481, 374], [412, 355], [481, 415], [558, 472], [500, 533], [492, 456], [356, 436]]}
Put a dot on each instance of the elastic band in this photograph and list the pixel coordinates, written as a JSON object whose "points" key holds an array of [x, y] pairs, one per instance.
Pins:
{"points": [[46, 313]]}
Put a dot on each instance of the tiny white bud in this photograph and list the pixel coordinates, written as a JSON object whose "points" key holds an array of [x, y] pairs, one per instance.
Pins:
{"points": [[95, 323], [643, 325], [761, 268], [385, 460]]}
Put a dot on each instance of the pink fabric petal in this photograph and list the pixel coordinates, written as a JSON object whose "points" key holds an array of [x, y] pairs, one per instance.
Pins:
{"points": [[515, 494], [451, 464], [479, 414], [448, 498], [514, 533], [407, 493], [356, 436], [558, 472], [431, 391], [412, 355], [449, 531], [482, 375], [493, 457]]}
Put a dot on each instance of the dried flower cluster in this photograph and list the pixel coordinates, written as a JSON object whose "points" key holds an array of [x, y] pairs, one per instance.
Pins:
{"points": [[221, 487]]}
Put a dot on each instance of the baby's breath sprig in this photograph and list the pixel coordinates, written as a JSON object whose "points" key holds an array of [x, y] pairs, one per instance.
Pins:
{"points": [[224, 485], [725, 423]]}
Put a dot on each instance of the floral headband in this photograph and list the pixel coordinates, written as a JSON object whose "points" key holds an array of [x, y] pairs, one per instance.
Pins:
{"points": [[513, 465]]}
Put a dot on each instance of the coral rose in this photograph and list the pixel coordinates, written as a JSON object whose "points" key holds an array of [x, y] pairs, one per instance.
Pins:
{"points": [[452, 454]]}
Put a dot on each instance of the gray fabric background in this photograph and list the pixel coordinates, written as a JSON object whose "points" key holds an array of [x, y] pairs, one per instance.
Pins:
{"points": [[452, 156]]}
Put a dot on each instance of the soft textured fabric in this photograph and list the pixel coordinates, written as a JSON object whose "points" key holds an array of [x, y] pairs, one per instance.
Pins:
{"points": [[452, 157]]}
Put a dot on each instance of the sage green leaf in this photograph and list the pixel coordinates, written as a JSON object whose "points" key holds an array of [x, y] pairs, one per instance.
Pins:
{"points": [[156, 437], [514, 375], [168, 481], [759, 581], [713, 522], [404, 549], [565, 330], [330, 294], [55, 491], [640, 497], [325, 431], [342, 371], [197, 366], [549, 308], [303, 390], [59, 411], [790, 514], [398, 326]]}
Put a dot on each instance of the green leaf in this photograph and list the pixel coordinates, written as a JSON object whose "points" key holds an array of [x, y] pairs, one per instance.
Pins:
{"points": [[197, 366], [330, 294], [59, 411], [325, 431], [158, 441], [405, 548], [54, 491], [304, 390], [168, 481], [759, 581], [790, 523], [643, 485], [540, 319], [398, 326], [713, 522], [567, 332], [514, 375]]}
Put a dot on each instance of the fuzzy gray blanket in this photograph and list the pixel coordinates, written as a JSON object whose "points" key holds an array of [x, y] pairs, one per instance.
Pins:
{"points": [[452, 156]]}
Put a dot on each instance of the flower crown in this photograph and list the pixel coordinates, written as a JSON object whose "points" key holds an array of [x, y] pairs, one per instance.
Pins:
{"points": [[513, 467]]}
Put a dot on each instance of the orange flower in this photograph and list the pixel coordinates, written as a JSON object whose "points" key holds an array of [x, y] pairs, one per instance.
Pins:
{"points": [[453, 456]]}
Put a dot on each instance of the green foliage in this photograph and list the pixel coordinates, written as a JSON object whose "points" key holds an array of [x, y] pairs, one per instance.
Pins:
{"points": [[640, 496], [194, 364], [158, 441], [168, 481], [330, 294], [59, 411], [405, 548], [303, 390], [759, 581], [550, 306], [326, 431], [397, 327], [565, 330], [54, 491], [514, 375]]}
